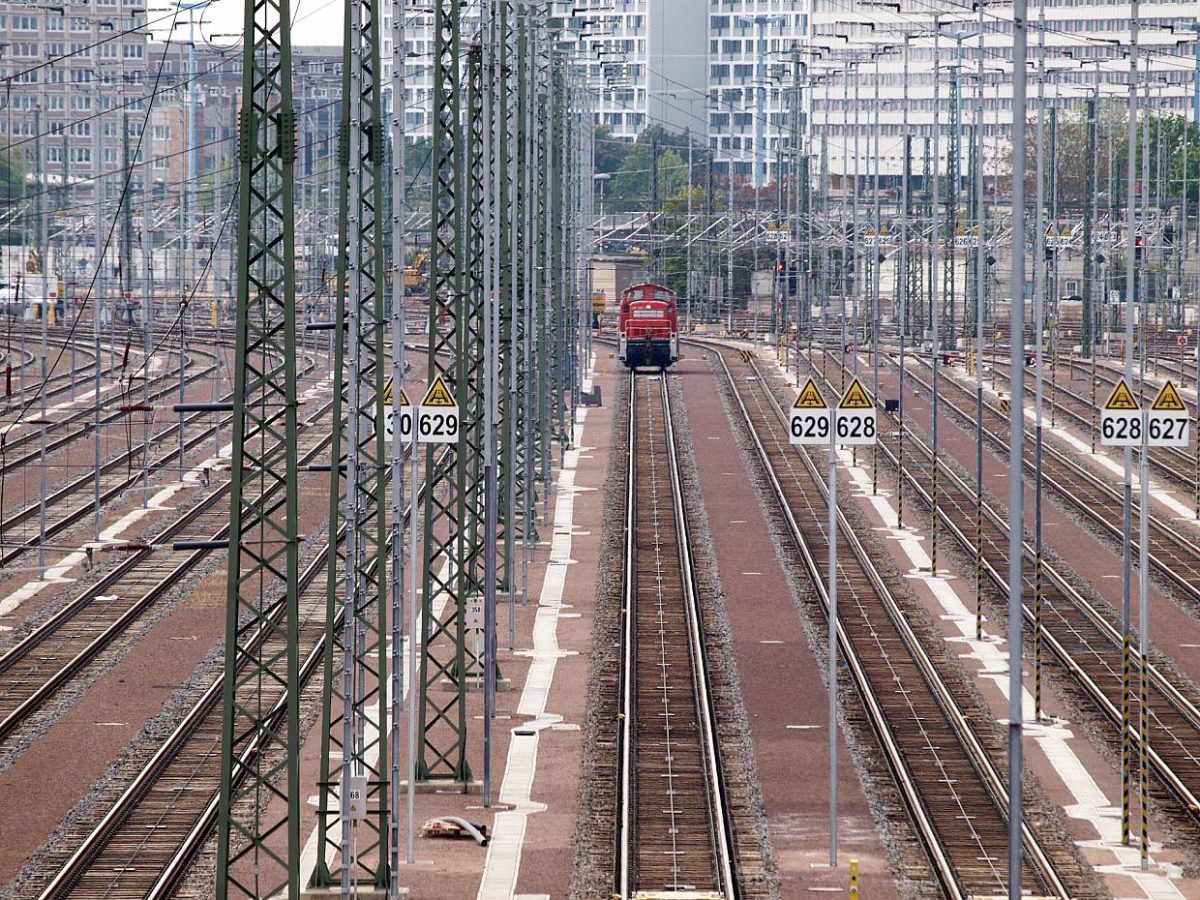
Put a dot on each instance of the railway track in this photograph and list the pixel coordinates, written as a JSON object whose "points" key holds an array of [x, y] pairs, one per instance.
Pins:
{"points": [[79, 423], [674, 830], [117, 475], [59, 382], [1174, 464], [952, 788], [1174, 554], [1075, 631], [144, 843], [49, 658]]}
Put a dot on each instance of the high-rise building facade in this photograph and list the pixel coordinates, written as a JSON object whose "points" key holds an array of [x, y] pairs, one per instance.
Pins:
{"points": [[850, 66], [887, 74], [72, 72]]}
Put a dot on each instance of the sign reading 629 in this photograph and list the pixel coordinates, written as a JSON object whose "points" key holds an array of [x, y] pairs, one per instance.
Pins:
{"points": [[437, 424]]}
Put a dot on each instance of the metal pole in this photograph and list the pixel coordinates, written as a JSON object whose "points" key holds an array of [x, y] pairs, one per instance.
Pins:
{"points": [[876, 265], [1016, 446], [1144, 643], [97, 300], [1039, 324], [833, 644], [146, 149], [44, 307], [398, 525], [905, 166], [935, 241], [980, 289], [1127, 507], [491, 310]]}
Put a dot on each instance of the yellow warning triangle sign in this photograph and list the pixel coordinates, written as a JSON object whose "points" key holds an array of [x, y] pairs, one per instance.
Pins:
{"points": [[810, 398], [389, 394], [855, 397], [438, 394], [1168, 400], [1122, 398]]}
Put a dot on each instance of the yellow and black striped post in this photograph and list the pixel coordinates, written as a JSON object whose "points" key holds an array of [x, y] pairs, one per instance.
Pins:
{"points": [[979, 563], [1125, 748], [1143, 756], [934, 518], [1037, 637]]}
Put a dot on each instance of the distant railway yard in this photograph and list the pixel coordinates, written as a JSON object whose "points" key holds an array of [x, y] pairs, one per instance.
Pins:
{"points": [[641, 450], [660, 708]]}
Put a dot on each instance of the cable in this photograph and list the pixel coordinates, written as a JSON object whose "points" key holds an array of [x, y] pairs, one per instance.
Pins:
{"points": [[125, 190]]}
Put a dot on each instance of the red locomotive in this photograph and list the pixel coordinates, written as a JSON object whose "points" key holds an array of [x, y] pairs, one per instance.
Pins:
{"points": [[648, 326]]}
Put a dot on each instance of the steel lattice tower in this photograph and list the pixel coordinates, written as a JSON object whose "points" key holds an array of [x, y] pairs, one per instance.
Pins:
{"points": [[445, 580], [359, 648], [259, 811]]}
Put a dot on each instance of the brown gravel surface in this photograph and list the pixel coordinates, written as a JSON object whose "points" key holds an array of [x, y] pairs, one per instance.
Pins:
{"points": [[781, 680], [1073, 550], [136, 681]]}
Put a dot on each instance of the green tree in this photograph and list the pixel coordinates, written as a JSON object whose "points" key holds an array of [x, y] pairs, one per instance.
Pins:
{"points": [[610, 151], [1169, 135], [630, 187], [12, 188]]}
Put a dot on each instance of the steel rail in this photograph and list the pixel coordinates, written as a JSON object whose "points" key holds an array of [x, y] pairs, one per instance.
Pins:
{"points": [[209, 703], [1167, 690], [996, 784], [10, 553], [717, 807], [84, 414], [1162, 534], [51, 627], [1157, 454]]}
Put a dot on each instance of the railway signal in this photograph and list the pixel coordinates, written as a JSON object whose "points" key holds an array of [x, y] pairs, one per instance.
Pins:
{"points": [[438, 415], [856, 419], [1121, 419], [809, 421], [1168, 419]]}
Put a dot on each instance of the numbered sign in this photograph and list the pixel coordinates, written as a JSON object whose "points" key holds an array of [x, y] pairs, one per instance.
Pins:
{"points": [[856, 419], [354, 789], [1168, 419], [408, 414], [809, 419], [437, 416], [1121, 419], [474, 614]]}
